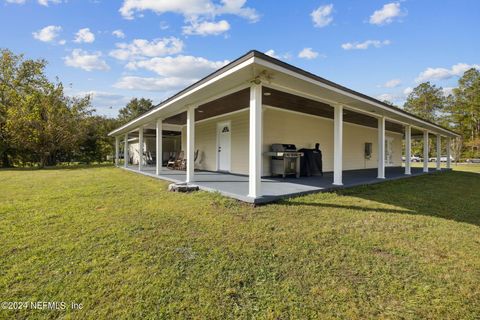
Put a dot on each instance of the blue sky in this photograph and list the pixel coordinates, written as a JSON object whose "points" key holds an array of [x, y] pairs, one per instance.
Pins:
{"points": [[117, 50]]}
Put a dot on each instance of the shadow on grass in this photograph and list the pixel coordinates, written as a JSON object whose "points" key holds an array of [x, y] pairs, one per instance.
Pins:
{"points": [[60, 167], [450, 195]]}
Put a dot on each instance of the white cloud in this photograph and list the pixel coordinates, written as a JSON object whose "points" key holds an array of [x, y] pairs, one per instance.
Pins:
{"points": [[322, 16], [104, 103], [189, 67], [387, 96], [308, 53], [119, 34], [144, 48], [443, 73], [86, 61], [47, 34], [206, 28], [175, 73], [16, 1], [273, 54], [152, 84], [84, 35], [407, 91], [191, 9], [46, 2], [387, 14], [391, 83], [365, 45]]}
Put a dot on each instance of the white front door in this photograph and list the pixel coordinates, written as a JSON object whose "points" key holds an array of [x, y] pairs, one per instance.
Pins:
{"points": [[223, 146], [388, 151]]}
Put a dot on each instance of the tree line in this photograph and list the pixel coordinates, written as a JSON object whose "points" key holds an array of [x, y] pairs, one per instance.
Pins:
{"points": [[458, 111], [41, 126]]}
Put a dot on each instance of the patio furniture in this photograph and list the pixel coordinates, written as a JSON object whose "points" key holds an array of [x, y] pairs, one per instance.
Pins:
{"points": [[174, 157], [180, 162]]}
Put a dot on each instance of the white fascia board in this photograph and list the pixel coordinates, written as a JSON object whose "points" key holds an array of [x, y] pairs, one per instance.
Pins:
{"points": [[273, 66], [131, 125]]}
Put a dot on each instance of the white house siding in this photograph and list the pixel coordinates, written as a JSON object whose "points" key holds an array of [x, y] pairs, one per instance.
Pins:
{"points": [[280, 126], [206, 142]]}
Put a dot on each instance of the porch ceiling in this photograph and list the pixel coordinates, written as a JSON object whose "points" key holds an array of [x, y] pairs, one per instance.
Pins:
{"points": [[240, 100]]}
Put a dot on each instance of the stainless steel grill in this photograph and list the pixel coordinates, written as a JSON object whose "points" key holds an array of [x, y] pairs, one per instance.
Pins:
{"points": [[285, 159]]}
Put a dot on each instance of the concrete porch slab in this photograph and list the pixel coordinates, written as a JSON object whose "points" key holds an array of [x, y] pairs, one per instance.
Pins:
{"points": [[274, 189]]}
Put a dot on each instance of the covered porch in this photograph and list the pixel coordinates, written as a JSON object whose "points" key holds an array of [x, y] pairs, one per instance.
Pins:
{"points": [[231, 118], [276, 188]]}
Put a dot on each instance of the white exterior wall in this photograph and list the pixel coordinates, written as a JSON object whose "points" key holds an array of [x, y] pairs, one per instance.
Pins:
{"points": [[206, 142], [280, 126]]}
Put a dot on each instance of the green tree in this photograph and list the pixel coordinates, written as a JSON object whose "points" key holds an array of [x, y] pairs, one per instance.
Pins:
{"points": [[133, 109], [426, 101], [465, 110], [95, 144], [20, 80], [46, 124]]}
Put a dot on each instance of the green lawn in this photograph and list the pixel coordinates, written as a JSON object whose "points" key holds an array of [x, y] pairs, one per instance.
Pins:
{"points": [[123, 247]]}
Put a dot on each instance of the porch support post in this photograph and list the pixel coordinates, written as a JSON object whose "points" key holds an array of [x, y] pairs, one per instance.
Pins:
{"points": [[117, 150], [255, 142], [190, 144], [381, 148], [408, 149], [449, 152], [425, 151], [125, 151], [439, 152], [140, 148], [159, 142], [338, 145]]}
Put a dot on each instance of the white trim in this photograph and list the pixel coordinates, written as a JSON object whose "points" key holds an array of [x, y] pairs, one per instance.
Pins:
{"points": [[439, 152], [425, 150], [345, 93], [408, 150], [190, 174], [159, 146], [381, 148], [449, 152], [338, 145], [141, 142], [217, 158], [255, 142], [184, 95], [125, 151], [117, 150]]}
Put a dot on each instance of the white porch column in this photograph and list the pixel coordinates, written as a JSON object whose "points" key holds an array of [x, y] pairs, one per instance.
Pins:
{"points": [[439, 152], [255, 142], [425, 151], [408, 149], [449, 152], [338, 145], [125, 151], [381, 148], [159, 151], [140, 148], [117, 149], [190, 144]]}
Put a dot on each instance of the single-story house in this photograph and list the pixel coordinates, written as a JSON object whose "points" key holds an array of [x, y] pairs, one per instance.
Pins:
{"points": [[240, 126]]}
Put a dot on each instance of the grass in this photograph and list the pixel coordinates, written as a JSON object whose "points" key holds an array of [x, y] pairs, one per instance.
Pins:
{"points": [[123, 247]]}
